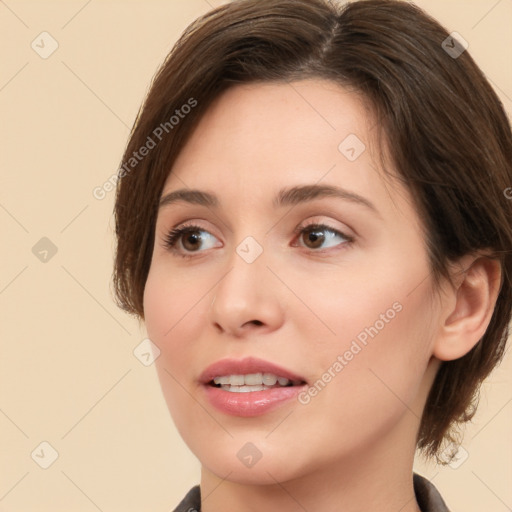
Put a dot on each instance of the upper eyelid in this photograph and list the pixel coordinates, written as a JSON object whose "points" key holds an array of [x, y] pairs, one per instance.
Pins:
{"points": [[303, 225], [310, 220]]}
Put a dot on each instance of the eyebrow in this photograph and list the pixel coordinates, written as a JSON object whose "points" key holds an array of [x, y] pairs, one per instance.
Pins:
{"points": [[285, 197]]}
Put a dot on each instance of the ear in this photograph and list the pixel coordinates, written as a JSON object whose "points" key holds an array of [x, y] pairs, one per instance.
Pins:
{"points": [[468, 306]]}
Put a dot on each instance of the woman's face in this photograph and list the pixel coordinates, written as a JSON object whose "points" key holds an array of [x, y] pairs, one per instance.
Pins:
{"points": [[304, 258]]}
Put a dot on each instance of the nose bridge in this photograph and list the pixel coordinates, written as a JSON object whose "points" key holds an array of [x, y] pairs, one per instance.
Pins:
{"points": [[247, 270]]}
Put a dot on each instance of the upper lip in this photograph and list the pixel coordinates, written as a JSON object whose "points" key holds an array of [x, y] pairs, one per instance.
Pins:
{"points": [[246, 366]]}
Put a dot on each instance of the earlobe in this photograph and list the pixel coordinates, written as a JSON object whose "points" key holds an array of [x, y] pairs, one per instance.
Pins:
{"points": [[468, 312]]}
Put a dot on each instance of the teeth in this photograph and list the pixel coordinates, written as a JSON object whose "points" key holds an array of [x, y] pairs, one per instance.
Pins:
{"points": [[269, 379], [243, 389], [236, 380], [251, 380]]}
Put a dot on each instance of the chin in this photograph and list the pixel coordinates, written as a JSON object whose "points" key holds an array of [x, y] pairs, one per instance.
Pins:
{"points": [[256, 462], [261, 473]]}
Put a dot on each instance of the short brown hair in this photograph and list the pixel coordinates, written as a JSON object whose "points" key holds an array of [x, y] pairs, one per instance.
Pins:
{"points": [[446, 130]]}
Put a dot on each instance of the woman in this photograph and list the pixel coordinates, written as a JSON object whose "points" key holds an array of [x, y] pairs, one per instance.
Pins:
{"points": [[312, 223]]}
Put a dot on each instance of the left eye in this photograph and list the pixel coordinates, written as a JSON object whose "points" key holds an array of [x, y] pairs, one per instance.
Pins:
{"points": [[320, 236]]}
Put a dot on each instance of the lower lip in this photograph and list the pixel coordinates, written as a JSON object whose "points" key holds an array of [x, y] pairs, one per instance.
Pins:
{"points": [[252, 403]]}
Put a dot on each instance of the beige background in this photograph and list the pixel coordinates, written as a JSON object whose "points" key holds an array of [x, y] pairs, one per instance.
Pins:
{"points": [[68, 374]]}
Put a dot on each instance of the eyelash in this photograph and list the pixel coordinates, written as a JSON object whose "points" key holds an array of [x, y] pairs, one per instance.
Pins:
{"points": [[174, 234]]}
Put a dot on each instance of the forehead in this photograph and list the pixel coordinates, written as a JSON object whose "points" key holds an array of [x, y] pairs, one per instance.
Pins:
{"points": [[273, 135], [250, 122]]}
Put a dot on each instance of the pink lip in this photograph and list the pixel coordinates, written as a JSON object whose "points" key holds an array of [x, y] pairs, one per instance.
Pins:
{"points": [[252, 403]]}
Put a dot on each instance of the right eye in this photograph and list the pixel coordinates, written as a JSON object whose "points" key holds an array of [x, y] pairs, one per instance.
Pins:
{"points": [[189, 239]]}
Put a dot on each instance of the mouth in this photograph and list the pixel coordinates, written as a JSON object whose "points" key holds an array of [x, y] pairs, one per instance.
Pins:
{"points": [[250, 386], [250, 382], [249, 374]]}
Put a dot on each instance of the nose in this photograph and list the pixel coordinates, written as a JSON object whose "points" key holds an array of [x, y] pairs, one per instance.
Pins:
{"points": [[247, 299]]}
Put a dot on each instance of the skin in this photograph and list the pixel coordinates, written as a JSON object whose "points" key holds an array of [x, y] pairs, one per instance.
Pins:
{"points": [[351, 447]]}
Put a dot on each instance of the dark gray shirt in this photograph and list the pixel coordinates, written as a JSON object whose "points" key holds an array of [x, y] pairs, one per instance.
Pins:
{"points": [[427, 496]]}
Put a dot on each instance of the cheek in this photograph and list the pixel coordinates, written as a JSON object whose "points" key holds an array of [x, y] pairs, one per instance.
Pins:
{"points": [[171, 311], [170, 303], [385, 309], [374, 363]]}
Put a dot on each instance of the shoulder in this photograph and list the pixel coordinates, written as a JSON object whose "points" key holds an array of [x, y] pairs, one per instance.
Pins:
{"points": [[427, 495], [191, 502]]}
